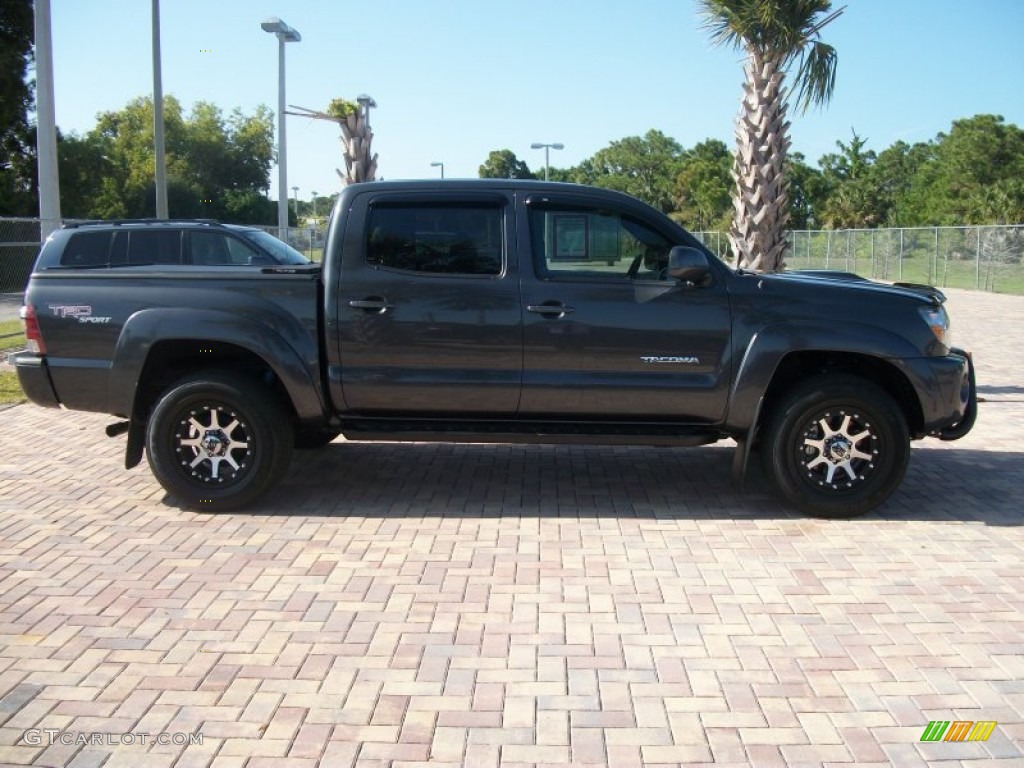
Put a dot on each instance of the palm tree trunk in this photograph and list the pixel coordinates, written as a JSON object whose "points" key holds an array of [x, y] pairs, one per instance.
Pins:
{"points": [[356, 138], [760, 210]]}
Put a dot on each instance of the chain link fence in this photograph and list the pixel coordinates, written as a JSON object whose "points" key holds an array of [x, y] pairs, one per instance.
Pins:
{"points": [[989, 258], [19, 246], [308, 241]]}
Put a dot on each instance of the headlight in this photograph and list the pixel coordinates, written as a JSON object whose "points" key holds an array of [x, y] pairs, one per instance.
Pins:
{"points": [[938, 320]]}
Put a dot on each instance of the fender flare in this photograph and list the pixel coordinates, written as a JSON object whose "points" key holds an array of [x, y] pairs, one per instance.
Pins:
{"points": [[770, 345], [148, 327]]}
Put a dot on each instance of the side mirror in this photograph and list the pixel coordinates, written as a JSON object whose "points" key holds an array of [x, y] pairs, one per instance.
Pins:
{"points": [[689, 264]]}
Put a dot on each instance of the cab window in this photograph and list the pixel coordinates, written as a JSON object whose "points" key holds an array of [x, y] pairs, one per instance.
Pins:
{"points": [[576, 242]]}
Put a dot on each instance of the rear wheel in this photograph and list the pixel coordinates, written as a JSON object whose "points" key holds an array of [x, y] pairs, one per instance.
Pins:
{"points": [[836, 446], [218, 441]]}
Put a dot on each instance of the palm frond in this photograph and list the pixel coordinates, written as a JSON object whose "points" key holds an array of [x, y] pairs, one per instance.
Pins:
{"points": [[723, 19], [816, 76]]}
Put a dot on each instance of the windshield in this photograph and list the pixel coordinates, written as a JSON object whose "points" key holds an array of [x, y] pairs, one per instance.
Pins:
{"points": [[282, 252]]}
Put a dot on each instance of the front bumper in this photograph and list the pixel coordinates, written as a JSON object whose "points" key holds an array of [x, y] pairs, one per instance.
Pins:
{"points": [[969, 397], [946, 392], [34, 377]]}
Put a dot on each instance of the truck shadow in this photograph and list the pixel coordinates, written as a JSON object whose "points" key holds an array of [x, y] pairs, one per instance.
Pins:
{"points": [[445, 480]]}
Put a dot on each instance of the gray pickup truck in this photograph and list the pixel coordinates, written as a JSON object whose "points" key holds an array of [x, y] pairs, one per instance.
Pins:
{"points": [[484, 311]]}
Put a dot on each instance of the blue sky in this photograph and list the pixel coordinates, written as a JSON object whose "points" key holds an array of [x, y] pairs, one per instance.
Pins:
{"points": [[455, 79]]}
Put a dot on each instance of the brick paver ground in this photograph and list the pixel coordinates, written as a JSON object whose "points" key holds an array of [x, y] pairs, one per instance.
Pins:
{"points": [[449, 605]]}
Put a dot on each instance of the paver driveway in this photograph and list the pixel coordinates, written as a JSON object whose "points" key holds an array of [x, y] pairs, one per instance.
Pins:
{"points": [[492, 605]]}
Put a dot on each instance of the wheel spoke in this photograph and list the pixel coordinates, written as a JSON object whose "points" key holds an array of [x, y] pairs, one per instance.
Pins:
{"points": [[215, 419], [848, 467], [818, 460], [844, 428], [857, 438]]}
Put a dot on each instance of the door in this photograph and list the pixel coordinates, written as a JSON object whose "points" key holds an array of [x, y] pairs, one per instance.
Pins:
{"points": [[608, 334], [430, 318]]}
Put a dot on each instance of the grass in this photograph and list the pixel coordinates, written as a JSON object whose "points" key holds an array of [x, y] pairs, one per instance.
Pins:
{"points": [[10, 389], [8, 327], [11, 338]]}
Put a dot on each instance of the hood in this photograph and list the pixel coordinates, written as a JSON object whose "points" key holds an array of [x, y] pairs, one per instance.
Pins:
{"points": [[822, 278]]}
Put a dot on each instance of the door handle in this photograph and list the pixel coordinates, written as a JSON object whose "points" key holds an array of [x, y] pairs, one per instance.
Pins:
{"points": [[371, 304], [550, 309]]}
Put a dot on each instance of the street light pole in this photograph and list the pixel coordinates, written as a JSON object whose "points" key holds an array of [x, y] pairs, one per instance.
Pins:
{"points": [[367, 103], [435, 165], [546, 148], [314, 206], [285, 34], [160, 169], [295, 191], [46, 124]]}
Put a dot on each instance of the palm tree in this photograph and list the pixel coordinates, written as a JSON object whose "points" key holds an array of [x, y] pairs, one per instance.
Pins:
{"points": [[777, 36], [356, 136]]}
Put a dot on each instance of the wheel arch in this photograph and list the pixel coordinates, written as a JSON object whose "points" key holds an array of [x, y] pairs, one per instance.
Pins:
{"points": [[156, 348], [170, 360], [798, 366], [779, 354]]}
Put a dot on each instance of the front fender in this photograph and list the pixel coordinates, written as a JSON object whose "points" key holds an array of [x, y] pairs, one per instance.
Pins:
{"points": [[277, 346], [770, 345]]}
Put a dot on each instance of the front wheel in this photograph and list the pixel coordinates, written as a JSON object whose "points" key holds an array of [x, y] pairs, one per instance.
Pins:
{"points": [[218, 441], [836, 446]]}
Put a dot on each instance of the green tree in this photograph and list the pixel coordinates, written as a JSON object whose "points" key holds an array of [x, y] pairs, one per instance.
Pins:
{"points": [[503, 164], [807, 192], [17, 138], [703, 187], [217, 167], [82, 168], [854, 198], [897, 172], [776, 36], [977, 173], [643, 166]]}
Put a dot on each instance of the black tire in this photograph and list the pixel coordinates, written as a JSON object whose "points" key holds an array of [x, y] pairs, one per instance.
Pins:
{"points": [[836, 446], [312, 438], [249, 441]]}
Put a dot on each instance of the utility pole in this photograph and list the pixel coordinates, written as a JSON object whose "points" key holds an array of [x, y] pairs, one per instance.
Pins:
{"points": [[46, 124], [160, 170]]}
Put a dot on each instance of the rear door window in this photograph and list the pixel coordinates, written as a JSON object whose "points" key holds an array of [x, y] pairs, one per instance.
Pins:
{"points": [[161, 246], [436, 238]]}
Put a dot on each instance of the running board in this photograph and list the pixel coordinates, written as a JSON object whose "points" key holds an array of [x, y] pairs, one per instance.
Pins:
{"points": [[660, 438]]}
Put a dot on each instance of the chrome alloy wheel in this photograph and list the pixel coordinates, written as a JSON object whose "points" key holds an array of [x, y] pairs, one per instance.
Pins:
{"points": [[212, 445], [839, 449]]}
